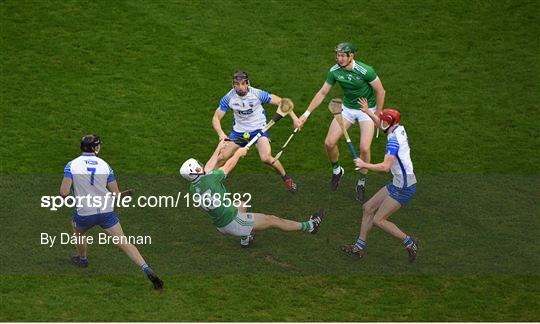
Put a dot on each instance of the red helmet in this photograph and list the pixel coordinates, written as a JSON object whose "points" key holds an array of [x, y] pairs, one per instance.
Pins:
{"points": [[389, 118]]}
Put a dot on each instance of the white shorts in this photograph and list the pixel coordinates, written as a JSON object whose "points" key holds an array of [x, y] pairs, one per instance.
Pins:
{"points": [[242, 225], [354, 115]]}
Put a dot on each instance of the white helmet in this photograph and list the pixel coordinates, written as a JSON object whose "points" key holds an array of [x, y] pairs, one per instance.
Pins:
{"points": [[191, 170]]}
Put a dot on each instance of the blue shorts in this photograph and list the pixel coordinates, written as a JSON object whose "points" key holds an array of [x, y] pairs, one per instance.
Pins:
{"points": [[106, 220], [235, 135], [401, 195]]}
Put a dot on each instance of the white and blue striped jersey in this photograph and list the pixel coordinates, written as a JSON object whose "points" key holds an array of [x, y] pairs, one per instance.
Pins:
{"points": [[248, 110], [402, 169], [90, 176]]}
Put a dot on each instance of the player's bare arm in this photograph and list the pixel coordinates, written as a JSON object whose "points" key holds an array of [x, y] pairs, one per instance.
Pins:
{"points": [[65, 187], [113, 187], [315, 102], [216, 123], [379, 167], [380, 93], [275, 100], [231, 163], [364, 105]]}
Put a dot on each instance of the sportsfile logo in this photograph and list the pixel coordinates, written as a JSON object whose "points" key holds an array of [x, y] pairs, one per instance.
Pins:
{"points": [[109, 201]]}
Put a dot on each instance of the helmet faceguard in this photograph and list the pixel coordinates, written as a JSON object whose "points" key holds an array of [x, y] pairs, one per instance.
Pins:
{"points": [[191, 170], [389, 118], [89, 143]]}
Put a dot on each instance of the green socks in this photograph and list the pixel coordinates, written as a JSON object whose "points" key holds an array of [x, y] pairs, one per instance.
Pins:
{"points": [[335, 167], [306, 226]]}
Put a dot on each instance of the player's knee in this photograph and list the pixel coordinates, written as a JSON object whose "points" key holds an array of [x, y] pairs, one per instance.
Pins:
{"points": [[267, 159], [329, 143], [274, 220], [378, 222], [368, 210], [221, 159], [365, 150]]}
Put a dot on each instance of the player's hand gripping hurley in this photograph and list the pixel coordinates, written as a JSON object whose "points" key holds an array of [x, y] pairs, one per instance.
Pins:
{"points": [[284, 108]]}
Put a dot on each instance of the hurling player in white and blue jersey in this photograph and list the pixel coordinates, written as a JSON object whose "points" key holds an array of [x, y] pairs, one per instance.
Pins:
{"points": [[397, 193], [91, 177], [246, 103]]}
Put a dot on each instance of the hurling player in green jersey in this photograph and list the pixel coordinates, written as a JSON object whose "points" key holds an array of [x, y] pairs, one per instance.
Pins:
{"points": [[358, 80], [231, 216]]}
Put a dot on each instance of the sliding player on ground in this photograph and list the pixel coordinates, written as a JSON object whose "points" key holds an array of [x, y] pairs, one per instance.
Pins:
{"points": [[394, 195], [236, 220], [246, 102]]}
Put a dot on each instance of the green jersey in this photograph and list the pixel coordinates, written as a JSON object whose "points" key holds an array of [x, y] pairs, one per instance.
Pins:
{"points": [[212, 197], [355, 83]]}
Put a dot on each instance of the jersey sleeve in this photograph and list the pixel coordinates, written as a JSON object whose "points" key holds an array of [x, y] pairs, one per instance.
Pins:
{"points": [[330, 78], [370, 75], [392, 147], [219, 174], [224, 103], [264, 96], [67, 171], [110, 177]]}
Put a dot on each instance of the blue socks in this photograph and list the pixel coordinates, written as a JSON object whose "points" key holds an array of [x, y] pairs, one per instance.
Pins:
{"points": [[360, 244], [408, 241], [146, 268]]}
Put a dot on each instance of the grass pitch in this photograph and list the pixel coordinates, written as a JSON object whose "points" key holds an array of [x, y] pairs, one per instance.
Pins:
{"points": [[147, 77]]}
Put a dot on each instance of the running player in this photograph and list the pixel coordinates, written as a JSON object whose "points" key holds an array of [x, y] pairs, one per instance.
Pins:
{"points": [[246, 103], [357, 80], [90, 176], [397, 193], [235, 220]]}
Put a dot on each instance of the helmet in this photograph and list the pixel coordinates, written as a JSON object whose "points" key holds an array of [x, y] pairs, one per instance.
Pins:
{"points": [[389, 117], [89, 143], [191, 170], [240, 76], [345, 48]]}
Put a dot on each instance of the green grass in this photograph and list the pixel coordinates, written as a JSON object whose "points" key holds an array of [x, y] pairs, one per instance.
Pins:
{"points": [[147, 77], [484, 233], [144, 74], [277, 298]]}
